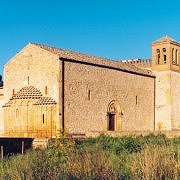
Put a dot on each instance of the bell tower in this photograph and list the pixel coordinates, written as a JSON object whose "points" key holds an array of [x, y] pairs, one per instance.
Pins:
{"points": [[166, 68], [166, 54]]}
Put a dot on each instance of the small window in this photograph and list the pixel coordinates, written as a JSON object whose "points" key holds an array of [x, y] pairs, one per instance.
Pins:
{"points": [[28, 80], [43, 118], [89, 95], [46, 90], [13, 92], [136, 100]]}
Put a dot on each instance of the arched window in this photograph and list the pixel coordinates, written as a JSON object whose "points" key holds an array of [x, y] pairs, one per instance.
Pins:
{"points": [[164, 55], [176, 57], [158, 56], [173, 58], [164, 50]]}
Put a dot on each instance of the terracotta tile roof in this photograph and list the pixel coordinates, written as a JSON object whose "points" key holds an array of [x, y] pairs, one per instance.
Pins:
{"points": [[45, 101], [28, 92], [93, 59]]}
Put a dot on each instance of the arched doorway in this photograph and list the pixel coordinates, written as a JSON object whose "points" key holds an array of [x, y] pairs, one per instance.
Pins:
{"points": [[114, 122]]}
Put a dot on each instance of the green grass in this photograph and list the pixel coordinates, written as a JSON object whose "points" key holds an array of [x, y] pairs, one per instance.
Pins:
{"points": [[128, 157]]}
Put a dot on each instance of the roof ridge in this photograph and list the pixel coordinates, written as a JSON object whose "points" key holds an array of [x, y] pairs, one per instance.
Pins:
{"points": [[72, 51], [44, 45], [164, 39]]}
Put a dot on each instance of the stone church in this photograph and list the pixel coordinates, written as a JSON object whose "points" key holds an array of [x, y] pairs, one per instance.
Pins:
{"points": [[47, 89]]}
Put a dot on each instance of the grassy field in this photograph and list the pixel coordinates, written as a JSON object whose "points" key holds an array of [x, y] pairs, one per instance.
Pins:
{"points": [[149, 157]]}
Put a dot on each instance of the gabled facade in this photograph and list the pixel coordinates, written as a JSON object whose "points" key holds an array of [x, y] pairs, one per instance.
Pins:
{"points": [[37, 68]]}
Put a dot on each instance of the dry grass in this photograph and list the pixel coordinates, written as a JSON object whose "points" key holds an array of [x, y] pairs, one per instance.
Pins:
{"points": [[95, 165], [155, 163]]}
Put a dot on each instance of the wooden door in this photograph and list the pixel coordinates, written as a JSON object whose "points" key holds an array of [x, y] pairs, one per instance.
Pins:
{"points": [[111, 122]]}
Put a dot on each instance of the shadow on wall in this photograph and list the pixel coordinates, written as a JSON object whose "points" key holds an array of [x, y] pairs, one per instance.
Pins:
{"points": [[11, 146]]}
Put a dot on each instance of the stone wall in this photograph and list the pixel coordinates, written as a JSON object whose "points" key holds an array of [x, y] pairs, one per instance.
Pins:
{"points": [[134, 93], [163, 100], [167, 100]]}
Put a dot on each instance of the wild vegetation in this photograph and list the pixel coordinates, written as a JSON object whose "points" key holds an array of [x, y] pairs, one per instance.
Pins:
{"points": [[135, 157]]}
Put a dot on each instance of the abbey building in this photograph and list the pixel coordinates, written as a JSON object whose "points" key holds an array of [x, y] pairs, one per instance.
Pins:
{"points": [[47, 89]]}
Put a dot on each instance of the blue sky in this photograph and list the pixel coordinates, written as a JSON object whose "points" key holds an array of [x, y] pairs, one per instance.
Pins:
{"points": [[116, 29]]}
